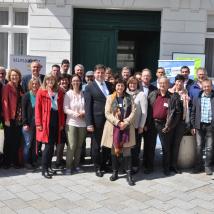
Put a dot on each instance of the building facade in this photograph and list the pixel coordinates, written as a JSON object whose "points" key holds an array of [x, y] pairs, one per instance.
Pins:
{"points": [[133, 32]]}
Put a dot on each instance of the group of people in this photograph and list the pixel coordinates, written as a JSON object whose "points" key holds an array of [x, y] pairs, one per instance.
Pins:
{"points": [[116, 111]]}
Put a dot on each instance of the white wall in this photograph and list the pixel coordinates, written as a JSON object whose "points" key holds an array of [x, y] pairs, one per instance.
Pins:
{"points": [[183, 24], [50, 33], [182, 30]]}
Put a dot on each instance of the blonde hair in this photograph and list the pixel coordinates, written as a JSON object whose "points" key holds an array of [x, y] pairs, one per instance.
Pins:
{"points": [[47, 77], [30, 84]]}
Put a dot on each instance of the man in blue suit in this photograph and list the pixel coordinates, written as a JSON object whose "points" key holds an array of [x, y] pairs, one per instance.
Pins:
{"points": [[95, 98]]}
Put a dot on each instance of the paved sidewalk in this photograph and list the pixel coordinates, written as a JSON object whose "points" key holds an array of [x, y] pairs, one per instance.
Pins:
{"points": [[26, 192]]}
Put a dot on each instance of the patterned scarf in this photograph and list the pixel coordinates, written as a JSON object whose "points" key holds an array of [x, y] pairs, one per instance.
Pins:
{"points": [[120, 111]]}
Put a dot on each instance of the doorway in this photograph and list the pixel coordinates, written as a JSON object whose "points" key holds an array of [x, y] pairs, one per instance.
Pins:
{"points": [[116, 38]]}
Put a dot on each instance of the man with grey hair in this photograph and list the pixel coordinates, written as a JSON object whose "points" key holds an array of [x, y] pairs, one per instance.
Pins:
{"points": [[196, 88], [3, 76], [165, 113], [80, 70], [35, 73], [125, 73]]}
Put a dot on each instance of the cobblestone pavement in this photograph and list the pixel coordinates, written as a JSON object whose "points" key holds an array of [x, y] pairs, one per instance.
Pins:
{"points": [[28, 192]]}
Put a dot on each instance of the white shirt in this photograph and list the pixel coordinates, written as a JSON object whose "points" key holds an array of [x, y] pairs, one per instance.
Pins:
{"points": [[103, 87], [73, 105]]}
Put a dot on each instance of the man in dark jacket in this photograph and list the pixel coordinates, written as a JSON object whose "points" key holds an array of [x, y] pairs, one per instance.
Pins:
{"points": [[202, 122], [95, 98], [164, 112], [35, 73]]}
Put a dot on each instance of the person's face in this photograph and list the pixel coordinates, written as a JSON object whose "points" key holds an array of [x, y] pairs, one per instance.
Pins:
{"points": [[163, 85], [65, 68], [14, 77], [146, 77], [185, 73], [64, 83], [55, 71], [207, 87], [50, 83], [2, 75], [138, 77], [179, 84], [120, 87], [79, 71], [201, 75], [108, 74], [133, 86], [112, 80], [160, 72], [35, 69], [35, 86], [75, 82], [125, 74], [99, 74], [89, 79]]}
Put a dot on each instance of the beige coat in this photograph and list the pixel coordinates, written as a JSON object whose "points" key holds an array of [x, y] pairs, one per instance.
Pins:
{"points": [[111, 120]]}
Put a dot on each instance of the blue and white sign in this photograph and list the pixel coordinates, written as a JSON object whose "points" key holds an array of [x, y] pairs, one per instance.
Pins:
{"points": [[23, 63], [172, 67]]}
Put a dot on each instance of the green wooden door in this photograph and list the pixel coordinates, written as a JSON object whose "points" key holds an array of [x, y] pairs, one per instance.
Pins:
{"points": [[95, 35], [95, 47]]}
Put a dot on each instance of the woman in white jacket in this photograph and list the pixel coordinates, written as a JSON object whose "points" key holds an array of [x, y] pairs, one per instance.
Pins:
{"points": [[140, 118]]}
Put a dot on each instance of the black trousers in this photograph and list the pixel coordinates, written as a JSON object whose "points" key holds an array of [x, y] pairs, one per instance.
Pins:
{"points": [[178, 133], [100, 156], [135, 151], [48, 151], [12, 143], [150, 137], [166, 139]]}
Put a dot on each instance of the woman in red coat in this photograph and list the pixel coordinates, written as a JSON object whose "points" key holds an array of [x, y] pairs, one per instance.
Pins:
{"points": [[11, 107], [49, 119]]}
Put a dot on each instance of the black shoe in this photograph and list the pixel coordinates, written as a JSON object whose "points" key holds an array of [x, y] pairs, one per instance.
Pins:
{"points": [[47, 175], [175, 170], [99, 173], [208, 170], [129, 179], [52, 172], [114, 176], [166, 172]]}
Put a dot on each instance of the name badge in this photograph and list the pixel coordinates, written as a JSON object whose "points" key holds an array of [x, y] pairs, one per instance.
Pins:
{"points": [[166, 105], [120, 105]]}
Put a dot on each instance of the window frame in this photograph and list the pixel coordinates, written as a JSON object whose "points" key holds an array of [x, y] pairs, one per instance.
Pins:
{"points": [[11, 28]]}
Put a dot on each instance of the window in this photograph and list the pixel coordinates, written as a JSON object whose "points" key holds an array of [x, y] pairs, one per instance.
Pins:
{"points": [[3, 17], [13, 33], [3, 48]]}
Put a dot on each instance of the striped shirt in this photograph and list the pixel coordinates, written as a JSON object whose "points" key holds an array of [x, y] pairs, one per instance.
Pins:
{"points": [[206, 111]]}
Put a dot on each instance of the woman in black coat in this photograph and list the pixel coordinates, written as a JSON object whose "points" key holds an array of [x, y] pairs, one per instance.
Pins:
{"points": [[29, 129]]}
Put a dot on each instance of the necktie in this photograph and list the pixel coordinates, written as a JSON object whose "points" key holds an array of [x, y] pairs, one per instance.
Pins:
{"points": [[103, 89]]}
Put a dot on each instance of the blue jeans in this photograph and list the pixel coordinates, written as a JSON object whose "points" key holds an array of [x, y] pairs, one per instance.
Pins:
{"points": [[204, 138], [29, 145]]}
